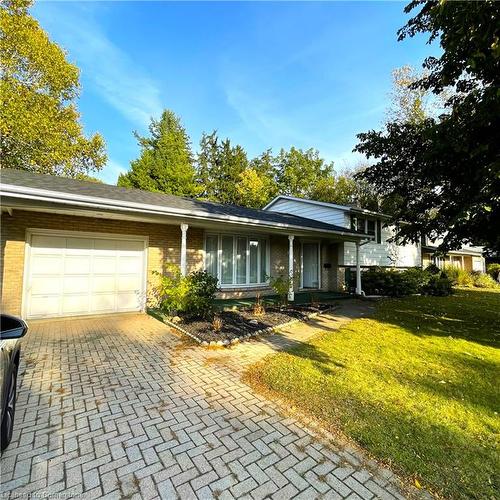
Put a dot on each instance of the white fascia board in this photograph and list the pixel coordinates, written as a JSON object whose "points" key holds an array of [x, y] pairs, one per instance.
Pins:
{"points": [[22, 192]]}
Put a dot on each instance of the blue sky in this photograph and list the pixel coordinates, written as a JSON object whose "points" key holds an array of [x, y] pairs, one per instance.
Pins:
{"points": [[266, 75]]}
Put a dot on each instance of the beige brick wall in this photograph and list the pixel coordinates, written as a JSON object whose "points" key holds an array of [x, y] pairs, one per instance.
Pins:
{"points": [[164, 246]]}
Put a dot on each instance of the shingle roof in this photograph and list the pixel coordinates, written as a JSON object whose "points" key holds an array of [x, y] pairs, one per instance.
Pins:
{"points": [[118, 194]]}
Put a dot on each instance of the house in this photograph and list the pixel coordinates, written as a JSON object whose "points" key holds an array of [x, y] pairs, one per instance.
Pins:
{"points": [[72, 247], [374, 250], [469, 258], [377, 250]]}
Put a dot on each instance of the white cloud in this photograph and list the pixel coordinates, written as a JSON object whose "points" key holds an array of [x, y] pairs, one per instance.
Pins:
{"points": [[114, 75]]}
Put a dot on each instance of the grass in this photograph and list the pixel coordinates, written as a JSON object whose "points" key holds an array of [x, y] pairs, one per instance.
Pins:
{"points": [[417, 385]]}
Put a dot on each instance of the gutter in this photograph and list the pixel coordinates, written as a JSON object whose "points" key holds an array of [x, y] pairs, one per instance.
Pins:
{"points": [[22, 192]]}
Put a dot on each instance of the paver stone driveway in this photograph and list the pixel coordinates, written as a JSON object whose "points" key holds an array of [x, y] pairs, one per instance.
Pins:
{"points": [[121, 407]]}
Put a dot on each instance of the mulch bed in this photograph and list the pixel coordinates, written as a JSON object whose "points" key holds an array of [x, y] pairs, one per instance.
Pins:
{"points": [[238, 324]]}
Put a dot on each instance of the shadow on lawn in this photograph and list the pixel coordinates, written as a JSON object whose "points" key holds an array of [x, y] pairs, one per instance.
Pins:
{"points": [[472, 316], [471, 384]]}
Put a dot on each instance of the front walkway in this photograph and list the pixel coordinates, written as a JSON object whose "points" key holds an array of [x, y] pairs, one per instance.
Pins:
{"points": [[121, 407]]}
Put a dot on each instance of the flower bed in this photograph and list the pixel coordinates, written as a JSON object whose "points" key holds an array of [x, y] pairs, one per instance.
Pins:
{"points": [[241, 324]]}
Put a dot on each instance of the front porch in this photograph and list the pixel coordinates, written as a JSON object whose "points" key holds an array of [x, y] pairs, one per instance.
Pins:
{"points": [[303, 297]]}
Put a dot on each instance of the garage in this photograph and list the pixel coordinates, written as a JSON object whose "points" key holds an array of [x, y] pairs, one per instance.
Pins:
{"points": [[72, 274]]}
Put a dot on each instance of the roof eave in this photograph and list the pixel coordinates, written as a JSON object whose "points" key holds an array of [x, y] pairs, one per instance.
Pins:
{"points": [[22, 192]]}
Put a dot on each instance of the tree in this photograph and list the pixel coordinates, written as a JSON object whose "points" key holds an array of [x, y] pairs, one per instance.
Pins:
{"points": [[39, 122], [334, 189], [165, 164], [219, 168], [299, 171], [443, 173], [254, 189]]}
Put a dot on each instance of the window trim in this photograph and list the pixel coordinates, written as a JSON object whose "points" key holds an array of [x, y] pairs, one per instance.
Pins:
{"points": [[235, 237]]}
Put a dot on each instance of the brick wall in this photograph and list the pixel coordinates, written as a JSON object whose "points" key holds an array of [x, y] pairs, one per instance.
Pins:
{"points": [[164, 246]]}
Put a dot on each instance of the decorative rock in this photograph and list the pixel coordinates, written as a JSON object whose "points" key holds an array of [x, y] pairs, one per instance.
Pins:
{"points": [[235, 340], [204, 343], [219, 343], [226, 342], [176, 319], [253, 322]]}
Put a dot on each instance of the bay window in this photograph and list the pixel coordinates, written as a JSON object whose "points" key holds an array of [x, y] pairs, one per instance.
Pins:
{"points": [[236, 260]]}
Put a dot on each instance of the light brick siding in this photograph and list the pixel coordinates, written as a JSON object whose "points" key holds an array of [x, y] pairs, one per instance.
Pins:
{"points": [[164, 246], [163, 249]]}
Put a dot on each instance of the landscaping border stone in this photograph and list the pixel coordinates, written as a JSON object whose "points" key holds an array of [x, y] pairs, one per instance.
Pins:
{"points": [[248, 336]]}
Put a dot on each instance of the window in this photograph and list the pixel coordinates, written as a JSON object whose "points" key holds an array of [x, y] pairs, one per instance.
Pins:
{"points": [[212, 259], [370, 227], [243, 260], [227, 260]]}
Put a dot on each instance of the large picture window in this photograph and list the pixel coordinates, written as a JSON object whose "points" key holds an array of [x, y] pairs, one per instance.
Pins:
{"points": [[236, 260]]}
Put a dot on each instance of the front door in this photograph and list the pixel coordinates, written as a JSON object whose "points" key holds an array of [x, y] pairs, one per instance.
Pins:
{"points": [[310, 265]]}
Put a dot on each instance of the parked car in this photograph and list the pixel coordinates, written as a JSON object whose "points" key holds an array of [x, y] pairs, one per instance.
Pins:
{"points": [[11, 330]]}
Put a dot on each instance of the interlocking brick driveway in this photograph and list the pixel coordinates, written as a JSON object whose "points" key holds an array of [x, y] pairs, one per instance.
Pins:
{"points": [[121, 407]]}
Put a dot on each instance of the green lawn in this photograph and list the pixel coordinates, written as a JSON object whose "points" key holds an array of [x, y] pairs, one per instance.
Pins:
{"points": [[417, 385]]}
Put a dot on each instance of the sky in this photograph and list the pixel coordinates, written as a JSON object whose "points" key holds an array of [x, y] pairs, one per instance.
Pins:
{"points": [[264, 74]]}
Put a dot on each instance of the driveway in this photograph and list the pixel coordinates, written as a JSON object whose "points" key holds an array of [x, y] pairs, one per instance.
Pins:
{"points": [[123, 408]]}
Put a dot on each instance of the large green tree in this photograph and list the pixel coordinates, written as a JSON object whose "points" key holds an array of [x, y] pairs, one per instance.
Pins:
{"points": [[220, 165], [298, 171], [40, 129], [443, 173], [166, 163]]}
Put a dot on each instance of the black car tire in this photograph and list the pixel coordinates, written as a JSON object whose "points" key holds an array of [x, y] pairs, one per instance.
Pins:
{"points": [[7, 425]]}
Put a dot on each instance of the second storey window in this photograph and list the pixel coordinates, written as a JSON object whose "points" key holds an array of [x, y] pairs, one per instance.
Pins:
{"points": [[371, 227], [237, 259]]}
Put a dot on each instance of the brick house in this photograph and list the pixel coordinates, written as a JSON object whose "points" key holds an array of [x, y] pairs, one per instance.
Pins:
{"points": [[72, 247]]}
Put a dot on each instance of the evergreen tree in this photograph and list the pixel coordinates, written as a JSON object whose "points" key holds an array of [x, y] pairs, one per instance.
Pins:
{"points": [[219, 167], [165, 164]]}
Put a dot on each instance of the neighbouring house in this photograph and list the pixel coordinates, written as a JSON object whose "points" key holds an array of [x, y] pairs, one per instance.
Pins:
{"points": [[468, 258], [72, 247]]}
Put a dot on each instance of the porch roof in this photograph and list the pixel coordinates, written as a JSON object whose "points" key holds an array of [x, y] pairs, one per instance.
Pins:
{"points": [[22, 185]]}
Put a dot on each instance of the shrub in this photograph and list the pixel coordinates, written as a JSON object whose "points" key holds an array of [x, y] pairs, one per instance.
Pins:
{"points": [[433, 269], [258, 307], [172, 291], [438, 285], [464, 278], [452, 273], [494, 271], [483, 280], [281, 284], [191, 295], [202, 288], [394, 283], [377, 281]]}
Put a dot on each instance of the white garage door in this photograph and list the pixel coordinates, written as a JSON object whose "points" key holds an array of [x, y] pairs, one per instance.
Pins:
{"points": [[73, 275]]}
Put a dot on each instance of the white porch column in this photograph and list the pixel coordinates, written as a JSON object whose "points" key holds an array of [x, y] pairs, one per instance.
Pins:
{"points": [[291, 294], [358, 270], [184, 228]]}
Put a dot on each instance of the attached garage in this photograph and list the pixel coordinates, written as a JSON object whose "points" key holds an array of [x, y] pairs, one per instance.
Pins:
{"points": [[70, 274]]}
